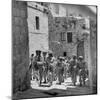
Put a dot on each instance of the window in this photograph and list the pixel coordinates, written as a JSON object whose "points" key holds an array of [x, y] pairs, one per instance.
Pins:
{"points": [[41, 3], [37, 22], [69, 37], [63, 37]]}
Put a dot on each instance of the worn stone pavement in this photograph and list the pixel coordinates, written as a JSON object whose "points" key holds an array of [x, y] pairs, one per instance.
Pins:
{"points": [[65, 89]]}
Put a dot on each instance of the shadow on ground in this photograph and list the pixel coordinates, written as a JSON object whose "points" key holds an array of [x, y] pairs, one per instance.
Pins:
{"points": [[70, 91]]}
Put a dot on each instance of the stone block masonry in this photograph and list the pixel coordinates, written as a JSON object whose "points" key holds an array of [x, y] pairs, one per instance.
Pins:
{"points": [[93, 47], [20, 55], [59, 25]]}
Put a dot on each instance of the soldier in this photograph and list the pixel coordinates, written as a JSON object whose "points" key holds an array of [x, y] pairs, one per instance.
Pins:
{"points": [[73, 69], [60, 68], [50, 61], [45, 67], [66, 68], [31, 66], [31, 61], [82, 70], [38, 65]]}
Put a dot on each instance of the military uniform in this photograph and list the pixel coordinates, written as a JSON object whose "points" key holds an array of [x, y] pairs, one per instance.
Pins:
{"points": [[60, 68], [45, 67], [31, 66], [73, 70], [66, 68], [50, 65], [38, 65], [82, 71]]}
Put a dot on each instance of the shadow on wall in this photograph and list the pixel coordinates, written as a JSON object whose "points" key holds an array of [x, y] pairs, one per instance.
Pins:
{"points": [[20, 46]]}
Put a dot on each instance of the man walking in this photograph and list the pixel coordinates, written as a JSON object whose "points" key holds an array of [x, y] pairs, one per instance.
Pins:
{"points": [[60, 69], [50, 61], [82, 70], [45, 67], [38, 65], [31, 66], [73, 70]]}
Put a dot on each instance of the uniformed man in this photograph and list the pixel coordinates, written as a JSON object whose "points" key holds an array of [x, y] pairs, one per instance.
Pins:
{"points": [[66, 68], [60, 69], [38, 65], [73, 69], [45, 67], [82, 70], [50, 61], [31, 66]]}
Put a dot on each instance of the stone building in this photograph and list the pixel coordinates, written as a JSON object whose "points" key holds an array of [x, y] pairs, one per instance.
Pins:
{"points": [[71, 32], [68, 36], [93, 52], [20, 46], [63, 10], [38, 27], [65, 28]]}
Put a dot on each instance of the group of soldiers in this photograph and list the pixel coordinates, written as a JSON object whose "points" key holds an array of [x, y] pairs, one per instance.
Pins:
{"points": [[46, 69]]}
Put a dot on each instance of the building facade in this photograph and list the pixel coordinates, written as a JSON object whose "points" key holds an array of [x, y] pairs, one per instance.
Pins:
{"points": [[63, 10], [71, 33], [38, 27], [69, 36], [66, 26], [93, 47]]}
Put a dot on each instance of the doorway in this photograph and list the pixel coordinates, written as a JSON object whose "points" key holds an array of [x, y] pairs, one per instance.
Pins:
{"points": [[80, 49], [64, 54]]}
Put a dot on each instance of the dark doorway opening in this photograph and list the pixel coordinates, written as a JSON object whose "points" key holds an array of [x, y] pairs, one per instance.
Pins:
{"points": [[80, 49], [64, 54]]}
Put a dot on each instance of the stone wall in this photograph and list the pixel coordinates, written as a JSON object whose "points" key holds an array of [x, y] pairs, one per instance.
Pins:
{"points": [[93, 48], [20, 47], [70, 10], [57, 25], [38, 38], [53, 45]]}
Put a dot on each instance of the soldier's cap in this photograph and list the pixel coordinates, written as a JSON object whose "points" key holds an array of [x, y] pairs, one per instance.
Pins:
{"points": [[38, 51], [44, 52], [80, 57], [61, 58], [50, 52], [32, 54], [74, 56]]}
